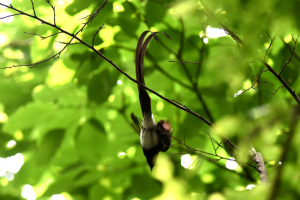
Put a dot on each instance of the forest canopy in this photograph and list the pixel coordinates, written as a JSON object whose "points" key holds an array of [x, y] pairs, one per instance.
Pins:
{"points": [[227, 81]]}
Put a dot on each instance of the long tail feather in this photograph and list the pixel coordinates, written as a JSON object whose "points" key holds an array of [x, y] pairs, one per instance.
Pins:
{"points": [[145, 100]]}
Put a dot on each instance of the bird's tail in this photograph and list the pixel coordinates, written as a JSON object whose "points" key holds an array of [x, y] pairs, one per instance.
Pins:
{"points": [[145, 100]]}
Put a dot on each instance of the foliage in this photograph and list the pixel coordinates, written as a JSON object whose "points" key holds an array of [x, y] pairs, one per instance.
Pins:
{"points": [[70, 116]]}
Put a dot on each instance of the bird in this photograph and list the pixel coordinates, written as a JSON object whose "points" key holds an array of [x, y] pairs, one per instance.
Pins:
{"points": [[153, 137]]}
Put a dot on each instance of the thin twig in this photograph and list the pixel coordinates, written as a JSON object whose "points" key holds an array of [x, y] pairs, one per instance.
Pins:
{"points": [[10, 16], [272, 39], [68, 43], [291, 91], [186, 62], [53, 8], [214, 141], [43, 37], [185, 68], [74, 36], [275, 90], [256, 81], [209, 14], [291, 55], [32, 4], [101, 27], [197, 150]]}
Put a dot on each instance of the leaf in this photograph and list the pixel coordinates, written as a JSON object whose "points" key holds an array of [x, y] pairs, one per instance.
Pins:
{"points": [[49, 145], [149, 189], [128, 22], [100, 86], [91, 141], [65, 180], [158, 15]]}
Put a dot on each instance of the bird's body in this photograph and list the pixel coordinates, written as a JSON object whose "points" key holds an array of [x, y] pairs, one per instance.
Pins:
{"points": [[153, 137], [148, 136]]}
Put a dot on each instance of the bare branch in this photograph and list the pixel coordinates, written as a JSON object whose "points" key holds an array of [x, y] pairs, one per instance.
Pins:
{"points": [[53, 8], [256, 81], [193, 150], [291, 55], [43, 37], [33, 8], [74, 36], [272, 39], [101, 27], [209, 14], [214, 141], [10, 16], [185, 62], [258, 158], [90, 18], [158, 67], [68, 43], [200, 62], [275, 90], [291, 91]]}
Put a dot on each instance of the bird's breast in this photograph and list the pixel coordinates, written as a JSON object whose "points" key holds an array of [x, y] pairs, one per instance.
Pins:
{"points": [[149, 138]]}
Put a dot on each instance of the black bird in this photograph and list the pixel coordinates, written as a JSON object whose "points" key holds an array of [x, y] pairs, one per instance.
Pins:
{"points": [[153, 137]]}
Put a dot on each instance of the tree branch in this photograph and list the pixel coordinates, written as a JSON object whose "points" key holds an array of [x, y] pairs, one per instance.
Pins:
{"points": [[43, 37], [32, 4], [275, 90], [291, 55], [287, 144], [53, 8], [9, 16], [74, 36], [258, 158], [256, 81], [236, 38]]}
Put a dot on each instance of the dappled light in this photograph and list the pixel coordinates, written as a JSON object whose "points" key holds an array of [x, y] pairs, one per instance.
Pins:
{"points": [[250, 186], [28, 192], [164, 99], [215, 32], [11, 165], [231, 164]]}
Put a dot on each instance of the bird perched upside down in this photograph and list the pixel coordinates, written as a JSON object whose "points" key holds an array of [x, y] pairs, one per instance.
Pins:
{"points": [[153, 137]]}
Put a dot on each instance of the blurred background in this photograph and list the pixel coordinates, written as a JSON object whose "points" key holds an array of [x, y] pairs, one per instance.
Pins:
{"points": [[65, 131]]}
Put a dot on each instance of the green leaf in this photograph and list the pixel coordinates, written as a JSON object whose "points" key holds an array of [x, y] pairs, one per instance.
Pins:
{"points": [[91, 142], [100, 86], [49, 145]]}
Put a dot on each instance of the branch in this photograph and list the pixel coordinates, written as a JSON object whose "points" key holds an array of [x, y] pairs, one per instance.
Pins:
{"points": [[210, 14], [53, 8], [101, 27], [43, 37], [33, 8], [236, 38], [291, 55], [157, 66], [205, 154], [285, 149], [275, 90], [272, 39], [74, 36], [256, 81], [193, 150], [178, 55], [291, 91], [258, 158], [186, 62], [68, 43], [9, 16]]}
